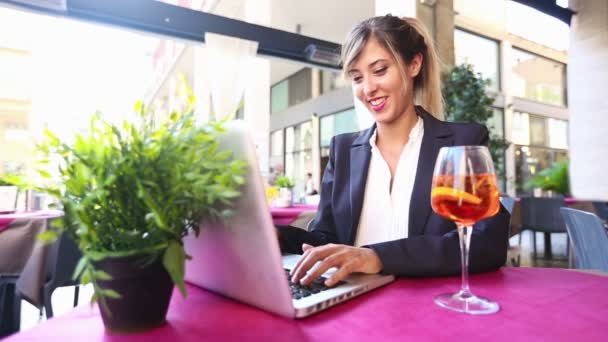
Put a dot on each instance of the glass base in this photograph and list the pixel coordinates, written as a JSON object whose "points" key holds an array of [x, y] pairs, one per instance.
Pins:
{"points": [[467, 302]]}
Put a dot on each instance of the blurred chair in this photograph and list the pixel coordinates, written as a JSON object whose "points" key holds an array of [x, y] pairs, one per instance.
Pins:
{"points": [[10, 306], [589, 239], [543, 215], [601, 208], [508, 203], [62, 259], [513, 252], [304, 219]]}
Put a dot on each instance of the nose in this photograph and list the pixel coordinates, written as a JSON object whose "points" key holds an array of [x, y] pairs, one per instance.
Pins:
{"points": [[369, 86]]}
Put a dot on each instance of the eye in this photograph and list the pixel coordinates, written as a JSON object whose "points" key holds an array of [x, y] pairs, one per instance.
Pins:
{"points": [[380, 71], [357, 78]]}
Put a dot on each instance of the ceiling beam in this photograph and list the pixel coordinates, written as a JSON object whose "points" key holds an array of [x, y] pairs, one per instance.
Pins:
{"points": [[551, 8], [183, 23]]}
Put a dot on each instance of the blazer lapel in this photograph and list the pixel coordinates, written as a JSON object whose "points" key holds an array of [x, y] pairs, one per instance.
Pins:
{"points": [[436, 135], [360, 156]]}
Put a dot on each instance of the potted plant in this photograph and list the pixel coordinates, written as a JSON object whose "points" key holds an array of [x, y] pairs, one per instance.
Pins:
{"points": [[553, 179], [129, 195], [285, 186], [9, 193]]}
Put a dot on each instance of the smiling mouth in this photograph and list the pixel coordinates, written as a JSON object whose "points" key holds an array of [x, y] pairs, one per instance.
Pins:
{"points": [[377, 103]]}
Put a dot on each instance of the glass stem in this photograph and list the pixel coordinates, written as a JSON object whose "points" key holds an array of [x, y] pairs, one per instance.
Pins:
{"points": [[464, 235]]}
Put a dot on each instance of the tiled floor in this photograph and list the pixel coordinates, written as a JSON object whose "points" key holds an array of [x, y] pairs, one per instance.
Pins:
{"points": [[558, 246], [63, 297]]}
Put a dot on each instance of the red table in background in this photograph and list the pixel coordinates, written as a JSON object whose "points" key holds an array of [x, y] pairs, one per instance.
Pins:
{"points": [[536, 304], [285, 216]]}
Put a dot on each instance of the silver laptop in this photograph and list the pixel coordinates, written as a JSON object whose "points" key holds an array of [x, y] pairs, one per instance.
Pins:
{"points": [[242, 260]]}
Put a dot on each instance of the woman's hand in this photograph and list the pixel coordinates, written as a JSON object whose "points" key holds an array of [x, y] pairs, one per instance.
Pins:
{"points": [[346, 258]]}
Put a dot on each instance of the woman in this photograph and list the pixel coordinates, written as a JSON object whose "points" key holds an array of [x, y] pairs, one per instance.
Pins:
{"points": [[374, 213]]}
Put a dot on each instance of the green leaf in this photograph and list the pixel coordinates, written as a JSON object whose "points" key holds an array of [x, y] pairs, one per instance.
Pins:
{"points": [[101, 275], [52, 139], [85, 278], [80, 267], [43, 173], [95, 256], [139, 107], [554, 178], [110, 294], [48, 236], [174, 261]]}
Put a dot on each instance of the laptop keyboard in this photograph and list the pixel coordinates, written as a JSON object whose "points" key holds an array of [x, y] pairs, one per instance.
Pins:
{"points": [[299, 291]]}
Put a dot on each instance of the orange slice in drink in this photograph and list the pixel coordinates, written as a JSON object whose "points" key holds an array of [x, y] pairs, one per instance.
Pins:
{"points": [[444, 193]]}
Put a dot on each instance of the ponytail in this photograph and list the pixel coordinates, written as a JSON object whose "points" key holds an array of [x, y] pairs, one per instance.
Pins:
{"points": [[428, 82]]}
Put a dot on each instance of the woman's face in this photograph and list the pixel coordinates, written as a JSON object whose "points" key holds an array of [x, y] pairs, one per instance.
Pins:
{"points": [[378, 83]]}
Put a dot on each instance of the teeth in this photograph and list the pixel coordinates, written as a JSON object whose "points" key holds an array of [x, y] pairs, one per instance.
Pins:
{"points": [[376, 102]]}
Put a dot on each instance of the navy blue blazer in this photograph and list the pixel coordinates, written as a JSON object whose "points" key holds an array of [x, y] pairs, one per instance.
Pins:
{"points": [[432, 247]]}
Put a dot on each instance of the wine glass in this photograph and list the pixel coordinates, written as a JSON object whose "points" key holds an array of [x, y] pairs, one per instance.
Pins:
{"points": [[465, 191]]}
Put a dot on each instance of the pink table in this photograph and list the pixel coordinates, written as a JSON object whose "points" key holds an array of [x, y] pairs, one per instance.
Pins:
{"points": [[7, 219], [536, 304], [285, 216]]}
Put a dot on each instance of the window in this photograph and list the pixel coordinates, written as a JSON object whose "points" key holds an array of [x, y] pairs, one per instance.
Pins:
{"points": [[279, 96], [558, 133], [338, 123], [332, 80], [538, 134], [539, 142], [276, 151], [480, 52], [529, 161], [16, 71], [537, 78], [537, 130], [520, 131], [295, 89], [496, 123], [300, 86], [298, 155], [331, 125]]}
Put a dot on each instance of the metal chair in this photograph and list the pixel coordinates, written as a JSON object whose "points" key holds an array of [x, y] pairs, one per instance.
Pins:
{"points": [[10, 306], [62, 259], [543, 215], [589, 239], [508, 203], [513, 252], [601, 209]]}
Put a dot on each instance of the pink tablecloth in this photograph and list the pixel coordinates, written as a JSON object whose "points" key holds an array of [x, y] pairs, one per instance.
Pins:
{"points": [[285, 216], [536, 304], [22, 254], [7, 219]]}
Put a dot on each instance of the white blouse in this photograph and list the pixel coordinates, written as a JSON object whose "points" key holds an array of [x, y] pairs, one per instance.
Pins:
{"points": [[385, 214]]}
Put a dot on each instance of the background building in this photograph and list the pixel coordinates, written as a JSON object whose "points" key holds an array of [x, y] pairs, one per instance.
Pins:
{"points": [[15, 107], [294, 105], [526, 67]]}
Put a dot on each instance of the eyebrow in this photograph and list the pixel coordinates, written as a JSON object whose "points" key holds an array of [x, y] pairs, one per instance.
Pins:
{"points": [[371, 65]]}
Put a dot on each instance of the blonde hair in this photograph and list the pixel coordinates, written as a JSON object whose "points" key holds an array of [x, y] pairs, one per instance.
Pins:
{"points": [[404, 38]]}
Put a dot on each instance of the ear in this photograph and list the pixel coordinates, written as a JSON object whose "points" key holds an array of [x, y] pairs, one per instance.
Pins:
{"points": [[413, 69]]}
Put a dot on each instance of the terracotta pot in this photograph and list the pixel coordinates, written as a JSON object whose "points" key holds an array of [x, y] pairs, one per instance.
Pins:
{"points": [[145, 291]]}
